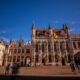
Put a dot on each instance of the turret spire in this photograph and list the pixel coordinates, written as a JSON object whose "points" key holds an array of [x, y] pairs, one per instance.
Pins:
{"points": [[50, 26], [33, 25]]}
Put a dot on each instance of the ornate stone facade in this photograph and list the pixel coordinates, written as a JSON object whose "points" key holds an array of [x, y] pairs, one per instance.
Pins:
{"points": [[18, 53], [48, 46], [53, 46]]}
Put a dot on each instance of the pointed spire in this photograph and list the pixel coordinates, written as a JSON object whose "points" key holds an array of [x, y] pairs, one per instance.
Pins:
{"points": [[50, 26], [33, 25], [20, 37], [63, 27], [66, 26]]}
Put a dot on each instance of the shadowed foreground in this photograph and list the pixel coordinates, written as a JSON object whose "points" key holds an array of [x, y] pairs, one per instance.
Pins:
{"points": [[2, 77]]}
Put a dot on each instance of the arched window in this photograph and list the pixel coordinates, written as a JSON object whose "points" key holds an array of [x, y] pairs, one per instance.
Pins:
{"points": [[19, 44]]}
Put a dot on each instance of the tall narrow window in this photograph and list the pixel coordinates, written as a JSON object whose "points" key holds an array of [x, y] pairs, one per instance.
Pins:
{"points": [[74, 45], [14, 58], [67, 46], [78, 44], [55, 46], [9, 58], [61, 47], [19, 44], [18, 58], [49, 47], [50, 60], [19, 50], [22, 50], [42, 47], [36, 48]]}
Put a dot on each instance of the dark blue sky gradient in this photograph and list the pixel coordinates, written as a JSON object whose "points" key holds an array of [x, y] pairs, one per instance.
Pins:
{"points": [[17, 16]]}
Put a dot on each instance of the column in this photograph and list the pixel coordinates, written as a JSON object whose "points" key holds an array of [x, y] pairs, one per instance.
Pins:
{"points": [[58, 53], [47, 57], [71, 50], [40, 53], [33, 54], [6, 59], [12, 60], [52, 51]]}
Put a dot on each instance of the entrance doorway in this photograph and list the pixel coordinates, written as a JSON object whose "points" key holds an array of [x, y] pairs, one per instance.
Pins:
{"points": [[63, 61], [43, 61], [21, 63], [77, 58]]}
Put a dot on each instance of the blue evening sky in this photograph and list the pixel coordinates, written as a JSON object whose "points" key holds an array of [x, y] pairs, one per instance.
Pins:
{"points": [[17, 16]]}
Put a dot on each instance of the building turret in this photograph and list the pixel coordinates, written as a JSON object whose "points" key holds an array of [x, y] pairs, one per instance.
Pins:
{"points": [[33, 26], [67, 31], [50, 29], [50, 26], [63, 27], [33, 31], [11, 42]]}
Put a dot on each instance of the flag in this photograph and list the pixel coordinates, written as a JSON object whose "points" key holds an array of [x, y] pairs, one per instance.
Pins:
{"points": [[37, 31], [60, 31], [53, 31], [55, 35]]}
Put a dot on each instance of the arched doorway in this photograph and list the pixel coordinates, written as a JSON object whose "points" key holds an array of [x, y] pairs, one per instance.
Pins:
{"points": [[77, 58]]}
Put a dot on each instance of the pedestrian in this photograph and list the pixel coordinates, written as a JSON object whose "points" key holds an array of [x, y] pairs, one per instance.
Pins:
{"points": [[7, 69], [72, 67], [14, 69], [79, 68]]}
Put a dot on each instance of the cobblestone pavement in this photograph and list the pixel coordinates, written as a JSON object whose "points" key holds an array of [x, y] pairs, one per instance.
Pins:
{"points": [[45, 71]]}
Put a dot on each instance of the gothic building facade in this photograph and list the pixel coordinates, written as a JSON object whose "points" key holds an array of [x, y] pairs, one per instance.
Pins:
{"points": [[54, 46], [48, 46], [18, 53]]}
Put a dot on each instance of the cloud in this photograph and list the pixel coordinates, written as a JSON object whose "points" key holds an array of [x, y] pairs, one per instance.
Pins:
{"points": [[3, 32], [5, 39]]}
